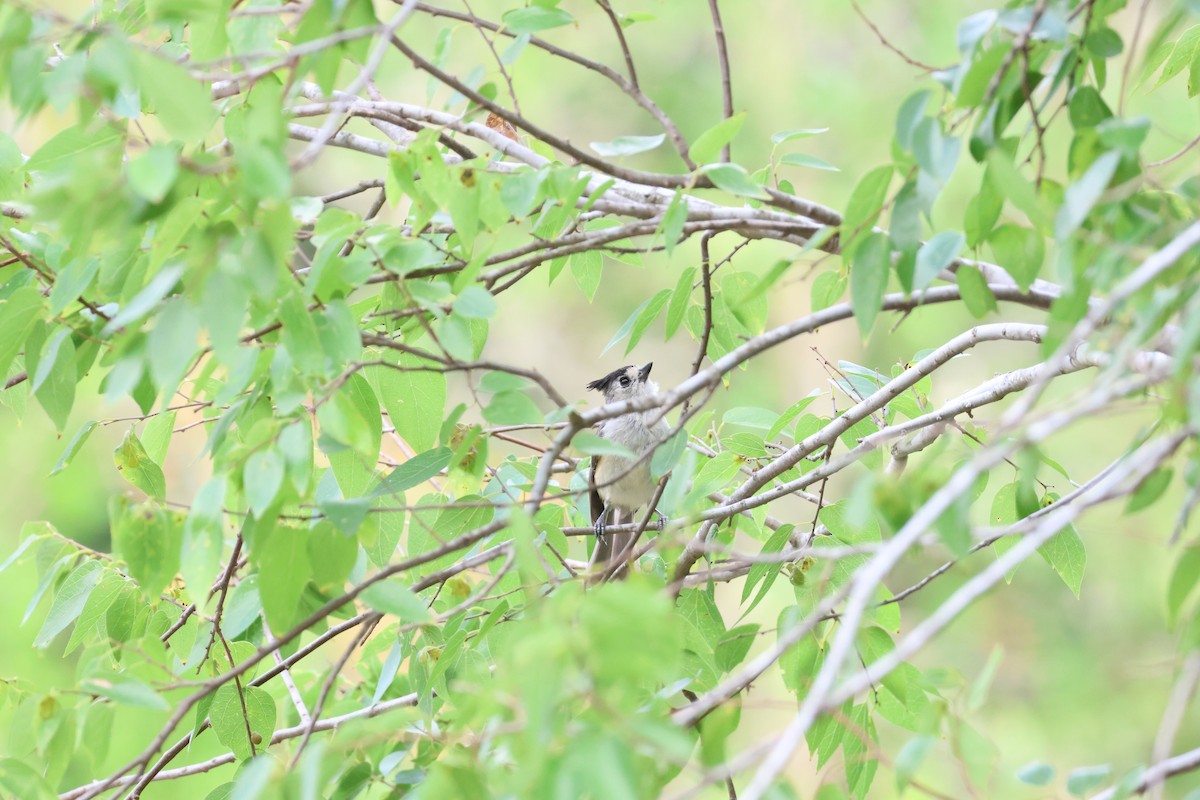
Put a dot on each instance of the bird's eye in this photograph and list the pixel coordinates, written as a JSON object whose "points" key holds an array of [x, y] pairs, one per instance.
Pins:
{"points": [[624, 380]]}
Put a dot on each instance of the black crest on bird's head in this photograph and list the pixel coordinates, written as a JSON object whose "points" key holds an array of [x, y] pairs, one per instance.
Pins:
{"points": [[621, 377], [602, 384]]}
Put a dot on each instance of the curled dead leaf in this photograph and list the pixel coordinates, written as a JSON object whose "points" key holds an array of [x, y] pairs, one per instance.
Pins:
{"points": [[501, 126]]}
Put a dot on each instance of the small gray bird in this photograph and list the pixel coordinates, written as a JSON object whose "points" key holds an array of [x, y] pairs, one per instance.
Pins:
{"points": [[618, 485]]}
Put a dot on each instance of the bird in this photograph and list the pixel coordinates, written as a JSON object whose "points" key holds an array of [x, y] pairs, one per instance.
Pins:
{"points": [[620, 485]]}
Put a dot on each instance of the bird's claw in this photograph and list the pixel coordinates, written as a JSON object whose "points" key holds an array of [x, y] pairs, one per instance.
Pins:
{"points": [[599, 527], [662, 520]]}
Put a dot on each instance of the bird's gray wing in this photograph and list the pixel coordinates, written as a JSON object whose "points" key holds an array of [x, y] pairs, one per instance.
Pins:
{"points": [[597, 505]]}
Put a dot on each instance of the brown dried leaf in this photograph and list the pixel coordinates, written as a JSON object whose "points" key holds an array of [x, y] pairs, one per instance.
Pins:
{"points": [[501, 126]]}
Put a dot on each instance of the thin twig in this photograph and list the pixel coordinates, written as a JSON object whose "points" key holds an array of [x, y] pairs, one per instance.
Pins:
{"points": [[722, 59]]}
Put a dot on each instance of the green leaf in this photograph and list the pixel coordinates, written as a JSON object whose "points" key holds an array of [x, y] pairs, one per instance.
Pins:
{"points": [[911, 112], [649, 313], [863, 209], [332, 555], [765, 571], [156, 436], [251, 783], [590, 444], [69, 601], [415, 400], [715, 473], [94, 617], [243, 608], [1087, 108], [351, 421], [747, 303], [65, 146], [499, 381], [407, 255], [19, 779], [668, 454], [795, 133], [628, 145], [152, 174], [475, 302], [347, 515], [625, 328], [338, 330], [954, 529], [413, 472], [1020, 251], [393, 597], [734, 646], [535, 18], [1125, 135], [200, 551], [734, 179], [300, 335], [936, 153], [673, 221], [1065, 554], [753, 417], [934, 256], [868, 280], [1008, 180], [172, 346], [1081, 195], [679, 300], [262, 478], [31, 533], [976, 294], [586, 268], [511, 408], [127, 691], [910, 758], [827, 289], [1082, 780], [17, 316], [972, 29], [1184, 54], [518, 192], [792, 412], [707, 146], [980, 74], [148, 539], [1150, 489], [1185, 578], [812, 162], [1104, 43], [55, 377], [283, 571], [180, 103], [77, 441], [44, 365], [72, 281], [136, 466], [1036, 773], [145, 300], [981, 214], [977, 752], [905, 228], [1153, 60], [229, 721]]}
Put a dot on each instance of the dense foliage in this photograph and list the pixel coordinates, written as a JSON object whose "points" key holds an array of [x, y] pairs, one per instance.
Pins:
{"points": [[372, 577]]}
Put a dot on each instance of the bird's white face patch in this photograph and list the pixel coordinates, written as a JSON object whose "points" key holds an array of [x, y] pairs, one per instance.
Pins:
{"points": [[624, 385]]}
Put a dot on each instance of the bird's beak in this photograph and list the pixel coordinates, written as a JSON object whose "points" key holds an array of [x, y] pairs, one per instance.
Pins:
{"points": [[644, 372]]}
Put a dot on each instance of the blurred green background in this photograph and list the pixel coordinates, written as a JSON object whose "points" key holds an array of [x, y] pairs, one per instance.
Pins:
{"points": [[1079, 682]]}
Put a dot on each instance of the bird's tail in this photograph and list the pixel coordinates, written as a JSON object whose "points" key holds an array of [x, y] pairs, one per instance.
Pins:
{"points": [[613, 548]]}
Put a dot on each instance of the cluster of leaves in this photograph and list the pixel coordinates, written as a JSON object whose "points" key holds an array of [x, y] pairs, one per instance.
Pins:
{"points": [[158, 250]]}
